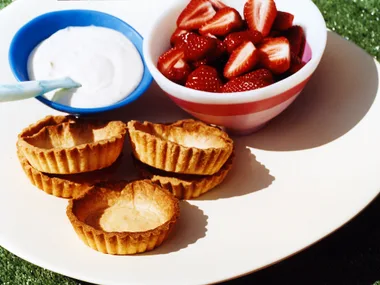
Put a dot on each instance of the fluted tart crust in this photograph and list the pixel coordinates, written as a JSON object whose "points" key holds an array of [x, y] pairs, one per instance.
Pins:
{"points": [[186, 146], [184, 186], [69, 185], [69, 145], [124, 217]]}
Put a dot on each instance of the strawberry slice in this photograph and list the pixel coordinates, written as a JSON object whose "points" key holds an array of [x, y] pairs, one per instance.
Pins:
{"points": [[260, 15], [296, 64], [172, 65], [176, 36], [204, 78], [275, 54], [261, 73], [217, 4], [224, 22], [196, 47], [242, 60], [196, 13], [233, 40], [241, 84], [283, 21], [297, 39]]}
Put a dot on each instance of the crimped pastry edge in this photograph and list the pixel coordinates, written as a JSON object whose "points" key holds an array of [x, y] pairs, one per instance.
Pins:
{"points": [[173, 157], [78, 159], [122, 243], [186, 188], [58, 186]]}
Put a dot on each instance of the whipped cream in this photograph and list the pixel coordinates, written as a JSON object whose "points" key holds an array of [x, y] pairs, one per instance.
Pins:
{"points": [[102, 60]]}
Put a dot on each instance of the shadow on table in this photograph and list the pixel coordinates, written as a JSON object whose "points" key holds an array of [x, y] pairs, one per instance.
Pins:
{"points": [[325, 112], [190, 228], [246, 176]]}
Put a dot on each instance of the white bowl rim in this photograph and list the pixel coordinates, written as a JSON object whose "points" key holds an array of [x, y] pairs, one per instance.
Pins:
{"points": [[202, 97]]}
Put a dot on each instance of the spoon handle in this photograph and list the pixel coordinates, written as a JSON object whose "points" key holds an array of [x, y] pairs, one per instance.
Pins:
{"points": [[30, 89]]}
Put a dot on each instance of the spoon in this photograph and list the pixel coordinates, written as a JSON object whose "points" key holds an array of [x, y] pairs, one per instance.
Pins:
{"points": [[30, 89]]}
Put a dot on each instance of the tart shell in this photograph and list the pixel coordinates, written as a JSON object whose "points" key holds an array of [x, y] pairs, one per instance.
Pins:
{"points": [[123, 243], [170, 156], [64, 186], [81, 158], [184, 187]]}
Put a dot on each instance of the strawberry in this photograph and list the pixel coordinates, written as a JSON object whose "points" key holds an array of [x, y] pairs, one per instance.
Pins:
{"points": [[176, 36], [262, 73], [224, 22], [296, 64], [233, 40], [220, 50], [196, 13], [241, 84], [217, 4], [196, 47], [260, 15], [172, 65], [283, 21], [204, 78], [274, 34], [296, 37], [242, 60], [275, 54], [199, 63]]}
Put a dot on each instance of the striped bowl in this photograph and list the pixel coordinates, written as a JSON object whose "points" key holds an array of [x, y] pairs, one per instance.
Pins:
{"points": [[241, 112]]}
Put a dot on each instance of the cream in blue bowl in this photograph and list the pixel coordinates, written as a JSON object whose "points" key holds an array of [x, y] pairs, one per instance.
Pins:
{"points": [[98, 50]]}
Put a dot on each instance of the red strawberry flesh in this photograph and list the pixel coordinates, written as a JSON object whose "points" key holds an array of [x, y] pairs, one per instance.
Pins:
{"points": [[241, 84], [196, 47], [224, 22], [204, 78], [242, 60], [217, 4], [196, 13], [283, 21], [297, 40], [172, 65], [260, 15], [176, 36], [233, 40], [275, 54]]}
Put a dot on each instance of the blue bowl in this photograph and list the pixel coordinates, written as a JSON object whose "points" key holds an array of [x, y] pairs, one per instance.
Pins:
{"points": [[42, 27]]}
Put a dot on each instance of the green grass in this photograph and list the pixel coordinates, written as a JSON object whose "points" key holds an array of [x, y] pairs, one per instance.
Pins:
{"points": [[356, 20]]}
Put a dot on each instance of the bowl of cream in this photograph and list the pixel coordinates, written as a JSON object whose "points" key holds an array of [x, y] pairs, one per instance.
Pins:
{"points": [[99, 51]]}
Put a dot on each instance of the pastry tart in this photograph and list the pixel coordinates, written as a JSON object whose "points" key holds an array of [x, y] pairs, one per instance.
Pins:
{"points": [[124, 217], [65, 186], [184, 186], [186, 146], [68, 145]]}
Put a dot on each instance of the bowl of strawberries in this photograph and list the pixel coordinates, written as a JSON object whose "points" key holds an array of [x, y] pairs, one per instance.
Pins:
{"points": [[238, 63]]}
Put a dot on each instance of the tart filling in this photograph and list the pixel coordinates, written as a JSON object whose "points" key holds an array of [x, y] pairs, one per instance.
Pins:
{"points": [[185, 186], [186, 146], [124, 218], [67, 145]]}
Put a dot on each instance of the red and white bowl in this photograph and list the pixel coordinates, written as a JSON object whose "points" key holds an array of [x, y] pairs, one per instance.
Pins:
{"points": [[241, 112]]}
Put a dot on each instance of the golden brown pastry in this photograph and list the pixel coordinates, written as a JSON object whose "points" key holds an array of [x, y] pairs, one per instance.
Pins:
{"points": [[186, 146], [68, 145], [125, 217]]}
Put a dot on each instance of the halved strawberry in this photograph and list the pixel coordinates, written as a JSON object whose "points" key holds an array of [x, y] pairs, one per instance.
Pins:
{"points": [[242, 60], [217, 4], [297, 40], [224, 22], [275, 54], [261, 73], [172, 65], [196, 13], [233, 40], [196, 47], [241, 84], [176, 36], [220, 51], [260, 15], [283, 21], [204, 78], [199, 63], [296, 64]]}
